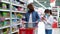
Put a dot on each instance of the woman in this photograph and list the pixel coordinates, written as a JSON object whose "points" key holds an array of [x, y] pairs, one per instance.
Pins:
{"points": [[31, 16], [48, 20]]}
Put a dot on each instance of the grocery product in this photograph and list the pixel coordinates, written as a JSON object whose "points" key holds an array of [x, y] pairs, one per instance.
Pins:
{"points": [[5, 23], [6, 31], [2, 19], [5, 14], [1, 24], [19, 16], [4, 6]]}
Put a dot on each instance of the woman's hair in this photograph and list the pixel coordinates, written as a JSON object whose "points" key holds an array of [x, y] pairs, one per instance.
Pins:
{"points": [[48, 11], [30, 6]]}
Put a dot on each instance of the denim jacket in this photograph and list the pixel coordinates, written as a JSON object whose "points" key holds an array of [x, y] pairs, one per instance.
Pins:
{"points": [[35, 17]]}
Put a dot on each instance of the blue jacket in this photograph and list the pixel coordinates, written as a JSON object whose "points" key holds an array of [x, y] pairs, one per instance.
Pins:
{"points": [[35, 17]]}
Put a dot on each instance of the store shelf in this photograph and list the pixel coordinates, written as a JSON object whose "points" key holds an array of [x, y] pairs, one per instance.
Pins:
{"points": [[59, 23], [4, 27], [9, 7], [5, 2], [9, 18], [17, 5], [15, 31], [54, 12], [21, 0], [54, 16], [17, 24], [19, 11], [4, 10]]}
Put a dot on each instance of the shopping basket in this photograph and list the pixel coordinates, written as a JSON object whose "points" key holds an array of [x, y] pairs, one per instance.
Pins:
{"points": [[29, 29]]}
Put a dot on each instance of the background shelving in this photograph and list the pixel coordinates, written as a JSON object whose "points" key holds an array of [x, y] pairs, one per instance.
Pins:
{"points": [[11, 13], [59, 18], [55, 13]]}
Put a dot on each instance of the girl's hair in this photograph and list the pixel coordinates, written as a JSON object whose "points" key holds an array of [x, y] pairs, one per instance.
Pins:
{"points": [[51, 12], [48, 11]]}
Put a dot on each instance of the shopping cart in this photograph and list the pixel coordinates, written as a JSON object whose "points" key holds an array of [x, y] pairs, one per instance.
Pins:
{"points": [[29, 28]]}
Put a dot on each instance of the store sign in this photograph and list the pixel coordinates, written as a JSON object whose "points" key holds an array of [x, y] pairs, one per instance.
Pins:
{"points": [[52, 3]]}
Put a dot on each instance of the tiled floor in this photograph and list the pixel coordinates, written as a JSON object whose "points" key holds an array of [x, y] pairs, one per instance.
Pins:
{"points": [[55, 31], [41, 28]]}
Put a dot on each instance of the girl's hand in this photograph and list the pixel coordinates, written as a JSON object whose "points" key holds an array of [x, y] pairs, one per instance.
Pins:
{"points": [[43, 18]]}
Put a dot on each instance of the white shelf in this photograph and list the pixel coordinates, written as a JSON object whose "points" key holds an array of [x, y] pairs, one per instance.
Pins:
{"points": [[19, 11], [9, 18], [4, 10], [5, 2], [15, 31], [17, 5], [17, 24], [22, 0], [4, 27], [10, 11], [54, 12], [54, 16]]}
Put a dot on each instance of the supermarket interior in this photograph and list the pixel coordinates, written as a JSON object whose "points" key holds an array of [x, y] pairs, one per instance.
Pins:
{"points": [[13, 14]]}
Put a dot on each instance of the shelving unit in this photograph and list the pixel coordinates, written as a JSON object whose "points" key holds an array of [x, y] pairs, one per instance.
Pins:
{"points": [[59, 17], [55, 13], [4, 27], [10, 15], [4, 10], [15, 31], [8, 1]]}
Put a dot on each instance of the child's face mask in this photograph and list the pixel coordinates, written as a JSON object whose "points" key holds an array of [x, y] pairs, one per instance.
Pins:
{"points": [[27, 9], [47, 14]]}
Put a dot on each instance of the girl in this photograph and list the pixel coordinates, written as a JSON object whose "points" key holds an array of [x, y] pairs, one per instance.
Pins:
{"points": [[48, 20]]}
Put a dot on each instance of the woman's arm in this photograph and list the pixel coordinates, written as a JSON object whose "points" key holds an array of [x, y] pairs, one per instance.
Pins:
{"points": [[37, 16]]}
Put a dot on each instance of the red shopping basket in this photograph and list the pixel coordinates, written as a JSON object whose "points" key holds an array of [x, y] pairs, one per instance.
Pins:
{"points": [[54, 25], [26, 31]]}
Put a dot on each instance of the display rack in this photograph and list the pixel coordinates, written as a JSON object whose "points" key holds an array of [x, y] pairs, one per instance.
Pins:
{"points": [[59, 17], [56, 14], [10, 15]]}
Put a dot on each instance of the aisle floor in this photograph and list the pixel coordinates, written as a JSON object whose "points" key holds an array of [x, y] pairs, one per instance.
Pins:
{"points": [[55, 31]]}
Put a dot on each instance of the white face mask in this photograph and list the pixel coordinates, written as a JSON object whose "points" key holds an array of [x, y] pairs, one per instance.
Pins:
{"points": [[27, 9]]}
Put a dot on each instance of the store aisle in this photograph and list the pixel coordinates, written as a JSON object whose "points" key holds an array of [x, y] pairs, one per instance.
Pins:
{"points": [[41, 29], [56, 31]]}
